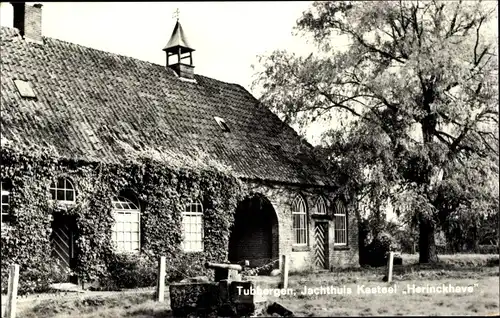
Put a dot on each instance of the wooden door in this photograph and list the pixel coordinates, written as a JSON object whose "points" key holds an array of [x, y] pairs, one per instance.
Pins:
{"points": [[320, 244], [63, 243]]}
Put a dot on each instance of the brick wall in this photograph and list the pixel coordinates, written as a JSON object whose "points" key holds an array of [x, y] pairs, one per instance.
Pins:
{"points": [[302, 258]]}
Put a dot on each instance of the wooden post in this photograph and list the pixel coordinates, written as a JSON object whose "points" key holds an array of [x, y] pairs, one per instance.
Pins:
{"points": [[389, 267], [160, 288], [284, 271], [10, 311]]}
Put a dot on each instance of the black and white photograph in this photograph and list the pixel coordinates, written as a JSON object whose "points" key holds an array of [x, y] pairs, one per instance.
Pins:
{"points": [[249, 159]]}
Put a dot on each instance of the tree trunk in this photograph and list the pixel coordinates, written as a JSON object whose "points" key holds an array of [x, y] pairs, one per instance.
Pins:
{"points": [[427, 240], [427, 243]]}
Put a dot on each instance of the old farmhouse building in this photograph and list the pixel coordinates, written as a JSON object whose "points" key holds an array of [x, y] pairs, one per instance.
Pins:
{"points": [[71, 115]]}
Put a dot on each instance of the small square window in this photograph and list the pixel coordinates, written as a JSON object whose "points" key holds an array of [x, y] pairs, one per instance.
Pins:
{"points": [[24, 88], [222, 123]]}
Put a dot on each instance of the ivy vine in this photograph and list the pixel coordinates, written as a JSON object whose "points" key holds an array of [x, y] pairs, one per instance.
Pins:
{"points": [[162, 184]]}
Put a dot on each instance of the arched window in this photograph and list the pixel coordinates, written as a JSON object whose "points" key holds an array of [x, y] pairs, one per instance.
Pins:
{"points": [[299, 215], [340, 221], [321, 207], [4, 208], [127, 227], [62, 191], [192, 227]]}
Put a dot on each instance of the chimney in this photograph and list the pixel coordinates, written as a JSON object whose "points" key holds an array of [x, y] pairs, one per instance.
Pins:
{"points": [[179, 49], [28, 19]]}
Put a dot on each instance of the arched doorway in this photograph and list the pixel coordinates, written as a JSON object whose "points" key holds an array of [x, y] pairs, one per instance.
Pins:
{"points": [[254, 235]]}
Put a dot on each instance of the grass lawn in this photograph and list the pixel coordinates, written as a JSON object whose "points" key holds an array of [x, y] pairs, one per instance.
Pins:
{"points": [[476, 272], [115, 306]]}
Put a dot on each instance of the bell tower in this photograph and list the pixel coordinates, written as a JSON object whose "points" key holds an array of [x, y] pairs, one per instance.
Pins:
{"points": [[178, 51]]}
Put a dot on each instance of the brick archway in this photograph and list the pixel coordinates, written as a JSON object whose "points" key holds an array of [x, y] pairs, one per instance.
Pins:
{"points": [[254, 234]]}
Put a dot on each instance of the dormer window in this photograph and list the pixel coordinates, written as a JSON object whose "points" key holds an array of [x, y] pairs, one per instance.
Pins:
{"points": [[24, 88], [222, 124], [62, 191]]}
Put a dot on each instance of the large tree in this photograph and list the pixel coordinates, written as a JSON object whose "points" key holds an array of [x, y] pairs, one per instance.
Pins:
{"points": [[420, 78]]}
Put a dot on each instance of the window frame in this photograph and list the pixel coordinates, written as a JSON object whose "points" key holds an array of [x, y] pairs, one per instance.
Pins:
{"points": [[321, 201], [5, 190], [24, 88], [297, 203], [222, 124], [190, 214], [54, 186], [335, 215], [136, 210]]}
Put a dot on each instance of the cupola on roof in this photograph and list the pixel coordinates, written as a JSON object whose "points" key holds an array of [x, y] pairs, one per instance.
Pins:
{"points": [[178, 47], [178, 40]]}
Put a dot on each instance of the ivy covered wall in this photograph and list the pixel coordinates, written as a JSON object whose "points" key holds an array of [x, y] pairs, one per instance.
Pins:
{"points": [[162, 187]]}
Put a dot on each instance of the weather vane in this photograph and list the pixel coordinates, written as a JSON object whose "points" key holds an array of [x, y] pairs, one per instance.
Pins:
{"points": [[176, 14]]}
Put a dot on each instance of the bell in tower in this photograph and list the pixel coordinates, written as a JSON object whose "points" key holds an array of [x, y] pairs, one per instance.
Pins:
{"points": [[180, 53]]}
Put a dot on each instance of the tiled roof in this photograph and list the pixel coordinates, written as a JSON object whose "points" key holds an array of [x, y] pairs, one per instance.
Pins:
{"points": [[91, 103]]}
